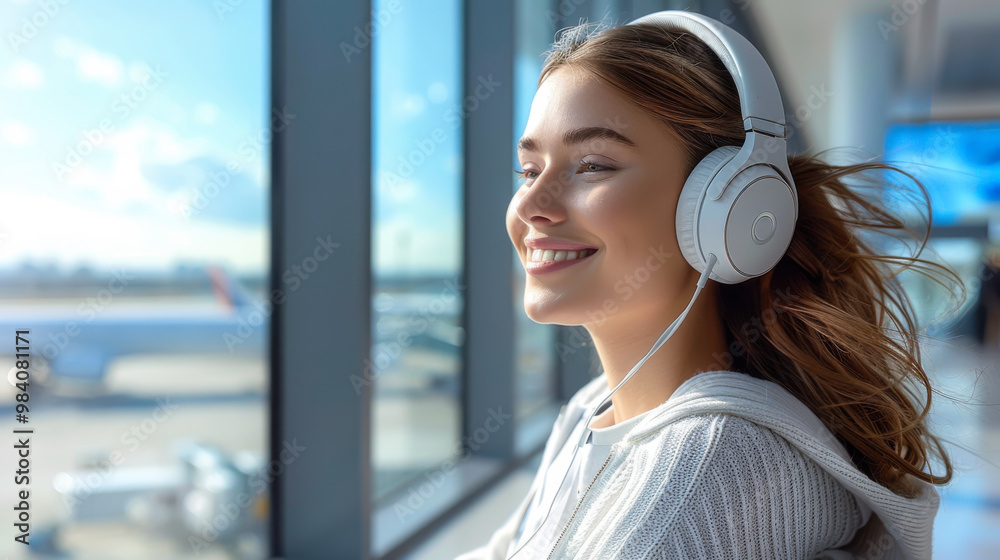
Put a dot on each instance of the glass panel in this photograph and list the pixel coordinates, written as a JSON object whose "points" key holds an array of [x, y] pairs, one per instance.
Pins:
{"points": [[535, 343], [417, 225], [134, 249]]}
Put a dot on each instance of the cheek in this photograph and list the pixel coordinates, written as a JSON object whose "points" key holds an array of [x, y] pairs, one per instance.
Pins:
{"points": [[634, 224], [623, 217]]}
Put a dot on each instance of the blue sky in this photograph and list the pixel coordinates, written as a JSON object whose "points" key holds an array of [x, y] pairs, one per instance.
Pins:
{"points": [[196, 101], [417, 136], [196, 104], [417, 67]]}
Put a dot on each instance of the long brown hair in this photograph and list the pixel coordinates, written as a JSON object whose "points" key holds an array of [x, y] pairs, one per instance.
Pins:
{"points": [[845, 341]]}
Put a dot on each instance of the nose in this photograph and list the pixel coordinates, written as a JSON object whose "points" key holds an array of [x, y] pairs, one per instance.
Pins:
{"points": [[541, 201]]}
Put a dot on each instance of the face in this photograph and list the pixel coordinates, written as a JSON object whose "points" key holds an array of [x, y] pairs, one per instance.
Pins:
{"points": [[603, 176]]}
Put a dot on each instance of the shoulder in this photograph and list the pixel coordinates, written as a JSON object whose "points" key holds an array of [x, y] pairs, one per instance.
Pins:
{"points": [[727, 483], [722, 447]]}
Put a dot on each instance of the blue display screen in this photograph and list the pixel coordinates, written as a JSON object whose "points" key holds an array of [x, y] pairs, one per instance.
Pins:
{"points": [[958, 163]]}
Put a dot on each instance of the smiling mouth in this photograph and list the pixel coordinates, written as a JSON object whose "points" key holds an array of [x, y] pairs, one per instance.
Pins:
{"points": [[544, 261], [550, 255]]}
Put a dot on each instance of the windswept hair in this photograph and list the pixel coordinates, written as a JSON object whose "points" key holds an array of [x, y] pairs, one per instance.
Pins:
{"points": [[845, 338]]}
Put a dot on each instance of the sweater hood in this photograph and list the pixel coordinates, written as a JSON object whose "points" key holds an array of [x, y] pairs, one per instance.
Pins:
{"points": [[901, 526]]}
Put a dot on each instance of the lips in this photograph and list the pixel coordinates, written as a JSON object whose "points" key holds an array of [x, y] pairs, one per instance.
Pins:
{"points": [[538, 255], [551, 248], [548, 265], [555, 244]]}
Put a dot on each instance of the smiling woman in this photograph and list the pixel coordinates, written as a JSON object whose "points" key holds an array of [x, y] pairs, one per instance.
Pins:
{"points": [[784, 416], [594, 187]]}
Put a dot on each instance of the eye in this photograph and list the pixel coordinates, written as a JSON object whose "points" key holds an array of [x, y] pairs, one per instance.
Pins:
{"points": [[588, 166], [523, 174], [593, 167]]}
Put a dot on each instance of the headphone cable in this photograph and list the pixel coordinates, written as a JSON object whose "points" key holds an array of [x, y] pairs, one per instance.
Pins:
{"points": [[702, 281]]}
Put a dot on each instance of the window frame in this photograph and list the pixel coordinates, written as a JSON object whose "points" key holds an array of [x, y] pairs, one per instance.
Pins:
{"points": [[314, 351]]}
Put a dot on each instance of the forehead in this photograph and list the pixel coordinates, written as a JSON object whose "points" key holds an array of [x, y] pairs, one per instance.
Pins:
{"points": [[570, 99]]}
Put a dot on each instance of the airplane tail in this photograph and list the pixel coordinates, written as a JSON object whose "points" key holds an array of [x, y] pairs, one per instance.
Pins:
{"points": [[228, 289]]}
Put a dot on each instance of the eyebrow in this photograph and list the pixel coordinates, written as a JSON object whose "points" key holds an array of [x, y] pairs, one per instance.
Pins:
{"points": [[579, 136]]}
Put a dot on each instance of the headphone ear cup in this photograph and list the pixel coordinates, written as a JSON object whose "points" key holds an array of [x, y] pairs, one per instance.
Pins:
{"points": [[689, 203]]}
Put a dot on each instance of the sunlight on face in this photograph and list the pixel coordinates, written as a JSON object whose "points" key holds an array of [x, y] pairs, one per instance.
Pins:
{"points": [[600, 173]]}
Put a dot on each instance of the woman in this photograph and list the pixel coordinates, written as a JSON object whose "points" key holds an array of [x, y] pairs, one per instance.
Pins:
{"points": [[784, 417]]}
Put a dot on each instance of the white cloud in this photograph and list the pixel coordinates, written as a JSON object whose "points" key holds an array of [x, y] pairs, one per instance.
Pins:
{"points": [[64, 47], [105, 69], [159, 143], [395, 190], [407, 104], [122, 184], [114, 174], [206, 112], [408, 247], [113, 239], [91, 64], [437, 92], [18, 134], [25, 74]]}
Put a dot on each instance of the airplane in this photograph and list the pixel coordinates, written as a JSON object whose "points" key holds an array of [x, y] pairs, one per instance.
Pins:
{"points": [[76, 347], [416, 315], [74, 350], [181, 500]]}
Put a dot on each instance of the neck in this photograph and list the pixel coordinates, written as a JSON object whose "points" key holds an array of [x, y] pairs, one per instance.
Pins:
{"points": [[699, 344]]}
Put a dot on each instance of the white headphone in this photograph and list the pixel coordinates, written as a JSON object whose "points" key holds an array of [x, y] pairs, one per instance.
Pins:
{"points": [[739, 204], [737, 210]]}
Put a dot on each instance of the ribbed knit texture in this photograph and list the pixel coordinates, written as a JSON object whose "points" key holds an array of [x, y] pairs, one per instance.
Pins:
{"points": [[729, 467], [726, 488]]}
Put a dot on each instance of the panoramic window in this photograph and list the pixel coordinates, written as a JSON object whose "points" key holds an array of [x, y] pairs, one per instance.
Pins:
{"points": [[134, 251]]}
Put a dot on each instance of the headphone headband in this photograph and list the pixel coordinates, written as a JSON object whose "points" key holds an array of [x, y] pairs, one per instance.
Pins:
{"points": [[737, 210], [760, 102]]}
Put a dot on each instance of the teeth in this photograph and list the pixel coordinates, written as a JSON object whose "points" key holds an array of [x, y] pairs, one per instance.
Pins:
{"points": [[539, 255]]}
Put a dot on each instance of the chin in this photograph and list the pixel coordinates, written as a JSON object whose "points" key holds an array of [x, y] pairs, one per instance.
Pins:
{"points": [[549, 311]]}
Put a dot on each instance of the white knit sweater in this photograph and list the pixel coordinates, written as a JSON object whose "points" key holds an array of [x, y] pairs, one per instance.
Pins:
{"points": [[729, 467]]}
